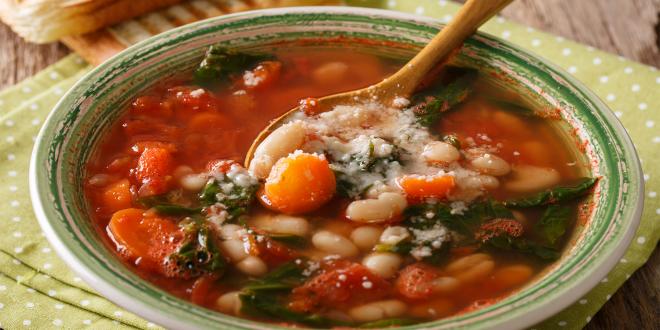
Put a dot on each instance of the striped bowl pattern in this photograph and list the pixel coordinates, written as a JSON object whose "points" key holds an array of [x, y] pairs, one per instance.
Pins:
{"points": [[78, 122]]}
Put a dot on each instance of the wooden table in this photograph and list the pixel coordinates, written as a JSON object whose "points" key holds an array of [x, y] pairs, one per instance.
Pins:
{"points": [[630, 28]]}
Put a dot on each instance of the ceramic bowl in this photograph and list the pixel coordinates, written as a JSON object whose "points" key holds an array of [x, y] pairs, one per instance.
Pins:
{"points": [[80, 119]]}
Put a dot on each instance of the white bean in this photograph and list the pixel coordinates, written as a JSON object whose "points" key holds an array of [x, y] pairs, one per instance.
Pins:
{"points": [[477, 272], [330, 73], [393, 235], [491, 165], [489, 182], [99, 180], [445, 284], [387, 206], [440, 152], [471, 268], [384, 264], [281, 224], [229, 303], [281, 142], [335, 244], [181, 171], [234, 249], [230, 231], [338, 315], [253, 266], [528, 178], [378, 310], [378, 188], [193, 182], [466, 262], [365, 237]]}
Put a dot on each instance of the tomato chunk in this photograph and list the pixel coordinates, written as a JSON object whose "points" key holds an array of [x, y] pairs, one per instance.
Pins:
{"points": [[117, 196], [264, 75], [353, 282], [144, 240], [414, 281], [299, 183], [154, 169], [274, 253]]}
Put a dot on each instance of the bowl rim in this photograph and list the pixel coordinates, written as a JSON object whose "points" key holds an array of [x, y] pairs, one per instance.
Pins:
{"points": [[541, 311]]}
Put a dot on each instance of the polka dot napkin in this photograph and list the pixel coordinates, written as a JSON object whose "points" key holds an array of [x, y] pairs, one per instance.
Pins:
{"points": [[37, 290]]}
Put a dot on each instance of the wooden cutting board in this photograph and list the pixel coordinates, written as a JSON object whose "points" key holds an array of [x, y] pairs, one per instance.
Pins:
{"points": [[100, 45]]}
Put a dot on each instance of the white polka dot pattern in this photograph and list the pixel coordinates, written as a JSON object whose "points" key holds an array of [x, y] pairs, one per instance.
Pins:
{"points": [[57, 298]]}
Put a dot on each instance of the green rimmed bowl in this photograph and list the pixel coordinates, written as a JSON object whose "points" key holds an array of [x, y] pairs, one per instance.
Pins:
{"points": [[80, 119]]}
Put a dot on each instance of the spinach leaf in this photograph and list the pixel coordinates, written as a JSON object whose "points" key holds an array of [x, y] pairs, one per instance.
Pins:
{"points": [[555, 195], [348, 172], [198, 255], [219, 63], [291, 240], [388, 323], [522, 245], [264, 297], [428, 108], [177, 210], [553, 223], [234, 198], [424, 216], [515, 108], [284, 277], [259, 304]]}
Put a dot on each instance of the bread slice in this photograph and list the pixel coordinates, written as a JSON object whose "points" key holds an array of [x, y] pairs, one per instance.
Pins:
{"points": [[48, 20], [98, 46]]}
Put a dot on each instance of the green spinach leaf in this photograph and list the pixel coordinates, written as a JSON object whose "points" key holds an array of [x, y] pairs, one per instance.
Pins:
{"points": [[259, 304], [284, 277], [220, 63], [233, 197], [522, 245], [553, 223], [176, 210], [388, 323], [290, 240], [265, 297], [554, 195], [198, 254], [428, 108]]}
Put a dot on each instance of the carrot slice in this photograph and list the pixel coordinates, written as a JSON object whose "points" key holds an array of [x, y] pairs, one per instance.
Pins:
{"points": [[144, 240], [299, 183], [418, 187], [117, 196]]}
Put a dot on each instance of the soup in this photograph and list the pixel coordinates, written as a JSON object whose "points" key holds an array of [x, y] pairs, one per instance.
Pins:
{"points": [[367, 215]]}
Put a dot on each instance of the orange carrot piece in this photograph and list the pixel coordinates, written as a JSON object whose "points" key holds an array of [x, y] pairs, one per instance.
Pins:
{"points": [[146, 240], [117, 196], [299, 183], [417, 187]]}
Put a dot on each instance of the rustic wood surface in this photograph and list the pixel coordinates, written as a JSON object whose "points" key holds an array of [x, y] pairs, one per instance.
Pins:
{"points": [[630, 28]]}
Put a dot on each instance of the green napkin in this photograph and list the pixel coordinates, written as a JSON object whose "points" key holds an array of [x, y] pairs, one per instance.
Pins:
{"points": [[37, 290]]}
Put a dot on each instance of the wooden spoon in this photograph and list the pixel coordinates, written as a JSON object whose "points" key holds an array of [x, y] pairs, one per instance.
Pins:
{"points": [[403, 83]]}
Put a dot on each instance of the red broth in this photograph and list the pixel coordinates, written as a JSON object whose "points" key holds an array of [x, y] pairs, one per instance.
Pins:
{"points": [[179, 130]]}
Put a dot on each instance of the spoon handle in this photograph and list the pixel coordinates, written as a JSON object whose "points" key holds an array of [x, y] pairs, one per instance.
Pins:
{"points": [[471, 15]]}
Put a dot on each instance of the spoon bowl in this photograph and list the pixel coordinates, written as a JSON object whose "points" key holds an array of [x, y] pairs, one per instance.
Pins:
{"points": [[404, 82]]}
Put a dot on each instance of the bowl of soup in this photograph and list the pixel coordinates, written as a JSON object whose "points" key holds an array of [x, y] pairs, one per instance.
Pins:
{"points": [[496, 195]]}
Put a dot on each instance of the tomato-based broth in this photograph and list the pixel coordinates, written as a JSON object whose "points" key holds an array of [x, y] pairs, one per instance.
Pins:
{"points": [[367, 215]]}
